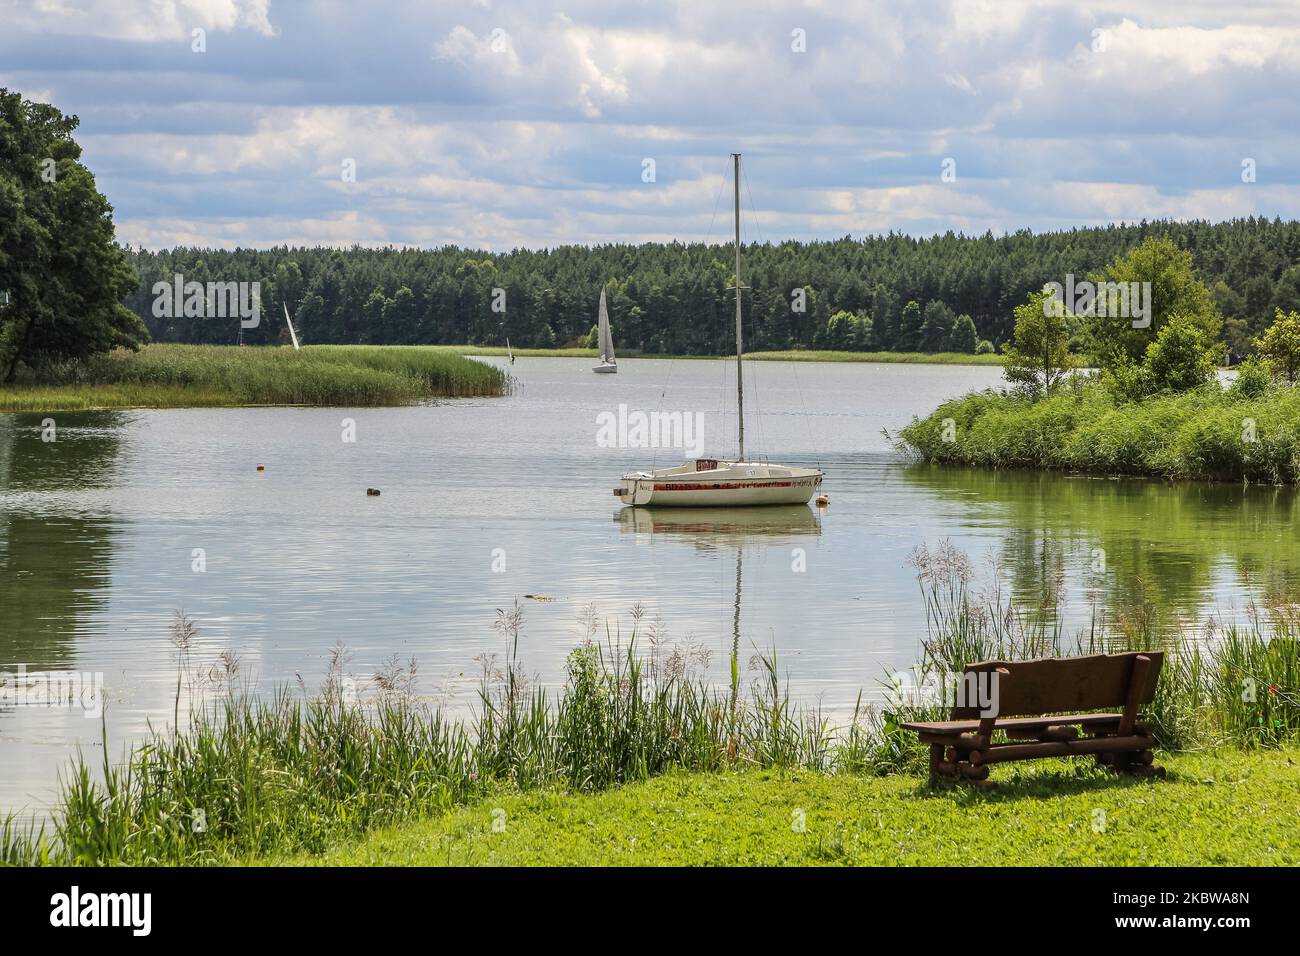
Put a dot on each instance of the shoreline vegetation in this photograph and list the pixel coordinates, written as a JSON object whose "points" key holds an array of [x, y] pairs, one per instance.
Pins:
{"points": [[791, 355], [169, 375], [295, 776], [1210, 434], [187, 376], [885, 292], [1151, 403]]}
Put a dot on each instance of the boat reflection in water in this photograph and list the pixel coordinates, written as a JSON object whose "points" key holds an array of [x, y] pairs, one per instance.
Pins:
{"points": [[720, 530]]}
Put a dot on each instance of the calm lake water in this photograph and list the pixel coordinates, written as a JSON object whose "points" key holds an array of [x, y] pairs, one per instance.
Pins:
{"points": [[485, 501]]}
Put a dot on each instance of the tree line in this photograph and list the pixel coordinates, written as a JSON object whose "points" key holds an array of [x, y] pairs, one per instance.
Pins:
{"points": [[67, 289], [891, 293]]}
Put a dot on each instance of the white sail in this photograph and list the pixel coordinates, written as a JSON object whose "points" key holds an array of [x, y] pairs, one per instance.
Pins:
{"points": [[606, 339], [292, 334]]}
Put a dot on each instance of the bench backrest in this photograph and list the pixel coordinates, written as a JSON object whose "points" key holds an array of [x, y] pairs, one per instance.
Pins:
{"points": [[1058, 685]]}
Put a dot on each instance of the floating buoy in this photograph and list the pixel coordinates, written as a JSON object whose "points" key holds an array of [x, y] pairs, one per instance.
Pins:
{"points": [[373, 492], [823, 500], [261, 467]]}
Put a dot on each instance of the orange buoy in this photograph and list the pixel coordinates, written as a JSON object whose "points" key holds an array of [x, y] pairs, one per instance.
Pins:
{"points": [[823, 501], [261, 467]]}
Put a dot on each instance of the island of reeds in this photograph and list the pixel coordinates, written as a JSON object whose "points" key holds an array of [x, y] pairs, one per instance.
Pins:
{"points": [[1134, 393], [170, 376]]}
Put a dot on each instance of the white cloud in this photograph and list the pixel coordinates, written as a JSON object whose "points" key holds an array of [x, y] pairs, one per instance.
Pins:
{"points": [[150, 20], [526, 123]]}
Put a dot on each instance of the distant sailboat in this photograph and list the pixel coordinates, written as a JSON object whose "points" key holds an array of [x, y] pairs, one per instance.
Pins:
{"points": [[607, 361], [709, 482], [509, 352], [292, 334]]}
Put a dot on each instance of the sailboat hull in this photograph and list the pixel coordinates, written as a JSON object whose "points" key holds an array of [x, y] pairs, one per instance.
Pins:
{"points": [[728, 484], [606, 369], [709, 482]]}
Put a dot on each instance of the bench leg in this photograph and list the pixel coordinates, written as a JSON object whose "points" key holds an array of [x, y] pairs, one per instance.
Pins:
{"points": [[943, 767], [1139, 764], [941, 771], [1136, 763]]}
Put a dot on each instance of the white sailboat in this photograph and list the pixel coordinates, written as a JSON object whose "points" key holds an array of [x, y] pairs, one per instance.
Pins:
{"points": [[292, 334], [608, 363], [713, 482]]}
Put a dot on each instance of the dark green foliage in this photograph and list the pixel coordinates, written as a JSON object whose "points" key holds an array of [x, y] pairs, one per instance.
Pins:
{"points": [[1179, 360], [964, 337], [847, 332], [673, 297], [910, 322], [1178, 289], [936, 326], [64, 276]]}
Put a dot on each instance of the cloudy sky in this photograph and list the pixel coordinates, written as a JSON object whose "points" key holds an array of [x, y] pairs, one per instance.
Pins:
{"points": [[499, 124]]}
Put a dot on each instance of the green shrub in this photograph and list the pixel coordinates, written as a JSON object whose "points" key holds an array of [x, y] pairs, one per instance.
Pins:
{"points": [[1253, 380]]}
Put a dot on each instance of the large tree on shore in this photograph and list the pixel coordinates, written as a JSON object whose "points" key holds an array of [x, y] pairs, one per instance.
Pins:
{"points": [[64, 276], [1176, 290]]}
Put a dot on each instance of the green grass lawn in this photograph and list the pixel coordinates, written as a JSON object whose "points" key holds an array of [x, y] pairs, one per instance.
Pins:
{"points": [[1225, 807]]}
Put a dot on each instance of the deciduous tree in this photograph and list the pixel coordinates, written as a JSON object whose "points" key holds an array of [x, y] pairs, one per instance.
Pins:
{"points": [[64, 275]]}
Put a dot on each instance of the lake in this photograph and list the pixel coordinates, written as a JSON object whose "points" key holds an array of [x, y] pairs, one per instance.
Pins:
{"points": [[128, 517]]}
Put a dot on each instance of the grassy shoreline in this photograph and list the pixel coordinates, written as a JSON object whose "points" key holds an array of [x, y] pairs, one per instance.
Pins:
{"points": [[1211, 433], [185, 376], [214, 376], [796, 355], [298, 775]]}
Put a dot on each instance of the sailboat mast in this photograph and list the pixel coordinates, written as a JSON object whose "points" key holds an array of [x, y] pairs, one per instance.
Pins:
{"points": [[740, 378]]}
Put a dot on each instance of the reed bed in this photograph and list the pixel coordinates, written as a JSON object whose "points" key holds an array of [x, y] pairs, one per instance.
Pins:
{"points": [[250, 777], [208, 375]]}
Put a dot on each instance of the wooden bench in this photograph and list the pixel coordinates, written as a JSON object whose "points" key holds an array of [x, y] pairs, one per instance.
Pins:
{"points": [[1048, 708]]}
